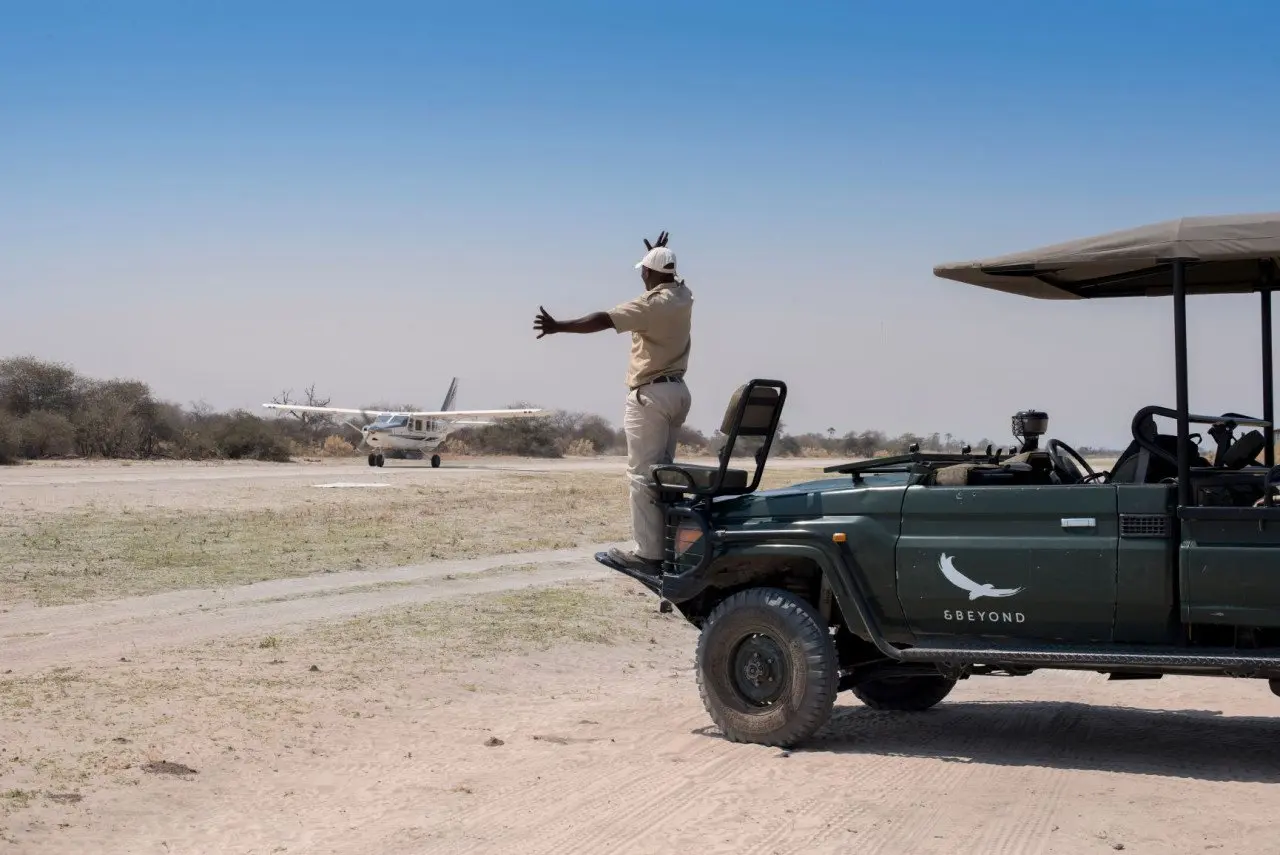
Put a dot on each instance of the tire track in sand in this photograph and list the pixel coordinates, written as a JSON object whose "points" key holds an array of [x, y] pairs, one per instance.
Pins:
{"points": [[63, 635]]}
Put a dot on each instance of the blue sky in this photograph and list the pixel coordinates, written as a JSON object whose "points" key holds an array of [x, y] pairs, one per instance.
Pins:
{"points": [[374, 197]]}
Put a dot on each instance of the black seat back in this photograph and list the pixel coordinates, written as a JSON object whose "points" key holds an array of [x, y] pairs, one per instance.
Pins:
{"points": [[1137, 465], [754, 411]]}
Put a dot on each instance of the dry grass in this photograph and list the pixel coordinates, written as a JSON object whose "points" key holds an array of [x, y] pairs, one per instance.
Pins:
{"points": [[97, 553], [505, 623], [82, 555]]}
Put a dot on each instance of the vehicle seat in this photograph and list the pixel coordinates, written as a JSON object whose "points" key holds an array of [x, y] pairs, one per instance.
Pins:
{"points": [[1137, 465], [759, 419], [703, 478]]}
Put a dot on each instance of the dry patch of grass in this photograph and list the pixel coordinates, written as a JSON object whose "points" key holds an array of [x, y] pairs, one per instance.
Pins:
{"points": [[58, 558], [88, 554], [491, 626], [246, 700]]}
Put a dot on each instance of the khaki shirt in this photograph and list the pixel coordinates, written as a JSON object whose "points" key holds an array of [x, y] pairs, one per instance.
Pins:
{"points": [[659, 322]]}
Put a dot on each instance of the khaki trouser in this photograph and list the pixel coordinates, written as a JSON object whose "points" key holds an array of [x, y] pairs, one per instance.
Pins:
{"points": [[654, 416]]}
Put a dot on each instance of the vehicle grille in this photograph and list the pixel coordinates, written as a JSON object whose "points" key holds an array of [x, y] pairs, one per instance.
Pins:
{"points": [[1144, 525]]}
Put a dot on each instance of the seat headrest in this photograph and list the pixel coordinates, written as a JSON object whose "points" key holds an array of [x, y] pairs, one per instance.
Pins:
{"points": [[759, 412]]}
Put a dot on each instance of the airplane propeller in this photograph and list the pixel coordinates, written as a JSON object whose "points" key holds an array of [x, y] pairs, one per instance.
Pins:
{"points": [[359, 428]]}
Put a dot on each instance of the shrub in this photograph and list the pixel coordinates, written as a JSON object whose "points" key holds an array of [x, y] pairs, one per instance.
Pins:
{"points": [[336, 446], [10, 440], [28, 384], [106, 427], [245, 436], [580, 448], [458, 447], [786, 446], [536, 437], [46, 434]]}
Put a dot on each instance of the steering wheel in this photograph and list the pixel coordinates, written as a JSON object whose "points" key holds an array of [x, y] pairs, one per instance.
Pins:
{"points": [[1065, 465]]}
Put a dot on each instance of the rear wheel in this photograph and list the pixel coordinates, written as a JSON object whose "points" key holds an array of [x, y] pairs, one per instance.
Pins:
{"points": [[373, 460], [767, 668], [435, 461], [904, 694]]}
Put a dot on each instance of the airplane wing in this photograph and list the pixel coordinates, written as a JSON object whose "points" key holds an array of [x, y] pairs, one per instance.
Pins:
{"points": [[296, 408], [461, 416]]}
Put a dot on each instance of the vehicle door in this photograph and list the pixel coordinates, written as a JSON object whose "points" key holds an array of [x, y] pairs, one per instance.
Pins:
{"points": [[1229, 568], [1031, 562]]}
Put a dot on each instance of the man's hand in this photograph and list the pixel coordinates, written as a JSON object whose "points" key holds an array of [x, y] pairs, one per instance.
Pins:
{"points": [[593, 323], [545, 324], [661, 241]]}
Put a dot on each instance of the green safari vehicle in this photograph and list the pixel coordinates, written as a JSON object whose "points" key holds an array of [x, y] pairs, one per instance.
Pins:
{"points": [[897, 577]]}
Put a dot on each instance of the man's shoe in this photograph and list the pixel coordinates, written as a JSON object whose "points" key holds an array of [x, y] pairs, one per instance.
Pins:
{"points": [[632, 561]]}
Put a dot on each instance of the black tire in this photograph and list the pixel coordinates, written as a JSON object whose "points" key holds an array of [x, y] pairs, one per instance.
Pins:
{"points": [[904, 694], [435, 461], [381, 460], [767, 668], [373, 460]]}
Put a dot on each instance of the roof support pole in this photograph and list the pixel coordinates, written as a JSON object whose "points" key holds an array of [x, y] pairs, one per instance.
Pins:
{"points": [[1268, 367], [1180, 359]]}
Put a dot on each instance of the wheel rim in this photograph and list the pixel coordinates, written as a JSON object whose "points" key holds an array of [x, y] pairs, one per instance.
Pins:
{"points": [[760, 673]]}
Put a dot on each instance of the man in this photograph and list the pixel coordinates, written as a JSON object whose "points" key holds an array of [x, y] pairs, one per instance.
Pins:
{"points": [[658, 399]]}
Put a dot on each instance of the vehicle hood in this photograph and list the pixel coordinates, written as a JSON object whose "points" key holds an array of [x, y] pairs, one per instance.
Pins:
{"points": [[807, 499]]}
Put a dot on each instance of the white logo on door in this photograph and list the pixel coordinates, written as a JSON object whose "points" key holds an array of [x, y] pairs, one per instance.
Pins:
{"points": [[964, 583]]}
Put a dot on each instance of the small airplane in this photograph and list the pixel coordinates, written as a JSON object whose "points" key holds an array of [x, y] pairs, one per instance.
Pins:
{"points": [[411, 431]]}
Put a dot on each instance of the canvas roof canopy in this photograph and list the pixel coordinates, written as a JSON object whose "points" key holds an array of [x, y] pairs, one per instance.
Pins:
{"points": [[1235, 253]]}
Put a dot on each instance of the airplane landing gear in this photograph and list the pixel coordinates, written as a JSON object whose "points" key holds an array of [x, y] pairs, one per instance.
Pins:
{"points": [[376, 460], [435, 461]]}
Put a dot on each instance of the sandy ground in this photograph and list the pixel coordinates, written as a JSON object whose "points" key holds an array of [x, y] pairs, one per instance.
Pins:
{"points": [[535, 703]]}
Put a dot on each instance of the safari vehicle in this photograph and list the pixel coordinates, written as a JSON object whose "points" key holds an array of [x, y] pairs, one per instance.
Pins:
{"points": [[899, 576]]}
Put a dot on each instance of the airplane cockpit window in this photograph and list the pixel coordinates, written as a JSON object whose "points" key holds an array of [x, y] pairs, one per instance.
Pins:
{"points": [[391, 422]]}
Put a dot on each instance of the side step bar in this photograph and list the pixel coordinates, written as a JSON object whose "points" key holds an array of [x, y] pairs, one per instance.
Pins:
{"points": [[653, 583], [1128, 656]]}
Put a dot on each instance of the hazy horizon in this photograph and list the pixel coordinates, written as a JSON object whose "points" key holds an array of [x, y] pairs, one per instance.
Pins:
{"points": [[229, 202]]}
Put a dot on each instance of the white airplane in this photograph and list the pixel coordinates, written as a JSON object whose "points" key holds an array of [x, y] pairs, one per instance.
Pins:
{"points": [[411, 431]]}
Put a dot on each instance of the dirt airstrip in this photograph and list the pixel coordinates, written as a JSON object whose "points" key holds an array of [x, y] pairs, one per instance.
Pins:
{"points": [[245, 658]]}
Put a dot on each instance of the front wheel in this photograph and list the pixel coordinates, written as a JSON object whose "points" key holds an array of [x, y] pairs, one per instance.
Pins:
{"points": [[435, 461], [767, 668], [904, 694]]}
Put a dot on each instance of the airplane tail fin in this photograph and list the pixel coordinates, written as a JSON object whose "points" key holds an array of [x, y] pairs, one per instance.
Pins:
{"points": [[449, 396]]}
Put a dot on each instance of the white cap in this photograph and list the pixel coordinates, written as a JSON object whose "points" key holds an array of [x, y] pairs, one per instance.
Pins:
{"points": [[660, 259]]}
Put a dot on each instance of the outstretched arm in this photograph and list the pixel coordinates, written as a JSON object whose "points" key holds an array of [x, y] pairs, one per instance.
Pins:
{"points": [[593, 323]]}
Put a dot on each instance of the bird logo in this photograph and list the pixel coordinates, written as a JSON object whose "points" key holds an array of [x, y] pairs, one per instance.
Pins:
{"points": [[964, 583]]}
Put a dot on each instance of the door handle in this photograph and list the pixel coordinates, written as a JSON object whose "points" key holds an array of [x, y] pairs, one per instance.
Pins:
{"points": [[1079, 522]]}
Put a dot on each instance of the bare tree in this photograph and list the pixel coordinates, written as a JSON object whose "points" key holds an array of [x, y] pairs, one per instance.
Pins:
{"points": [[311, 423]]}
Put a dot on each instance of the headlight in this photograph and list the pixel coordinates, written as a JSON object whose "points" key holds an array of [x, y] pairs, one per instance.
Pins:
{"points": [[687, 536]]}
